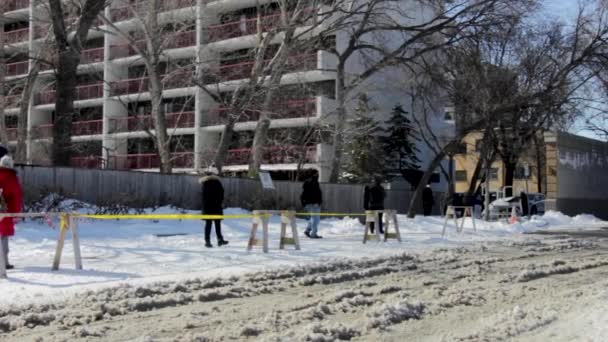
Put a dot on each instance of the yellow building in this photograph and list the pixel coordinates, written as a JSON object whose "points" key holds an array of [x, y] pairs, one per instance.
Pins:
{"points": [[526, 174]]}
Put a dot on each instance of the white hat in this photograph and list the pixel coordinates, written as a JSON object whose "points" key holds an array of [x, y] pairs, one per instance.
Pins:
{"points": [[7, 162]]}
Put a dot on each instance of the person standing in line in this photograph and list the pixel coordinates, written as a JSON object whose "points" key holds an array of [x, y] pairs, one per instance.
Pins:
{"points": [[312, 198], [213, 199], [11, 200], [373, 199], [427, 200]]}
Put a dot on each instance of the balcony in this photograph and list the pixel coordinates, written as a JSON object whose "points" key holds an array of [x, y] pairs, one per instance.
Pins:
{"points": [[17, 36], [17, 68], [94, 55], [140, 8], [239, 71], [176, 41], [272, 155], [242, 27], [140, 85], [15, 5], [184, 160], [43, 131], [83, 92], [280, 110], [11, 133], [12, 101], [89, 127], [90, 162], [146, 122]]}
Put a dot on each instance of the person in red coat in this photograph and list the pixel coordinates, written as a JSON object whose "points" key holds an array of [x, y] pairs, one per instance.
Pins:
{"points": [[12, 199]]}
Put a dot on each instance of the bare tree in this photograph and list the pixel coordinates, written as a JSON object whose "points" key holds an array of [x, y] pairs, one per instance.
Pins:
{"points": [[375, 19], [69, 45]]}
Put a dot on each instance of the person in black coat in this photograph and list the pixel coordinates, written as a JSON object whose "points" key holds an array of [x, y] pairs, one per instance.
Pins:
{"points": [[213, 200], [373, 199], [427, 200], [311, 199]]}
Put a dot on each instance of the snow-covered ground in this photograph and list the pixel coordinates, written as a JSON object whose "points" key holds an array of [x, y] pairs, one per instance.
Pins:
{"points": [[129, 251]]}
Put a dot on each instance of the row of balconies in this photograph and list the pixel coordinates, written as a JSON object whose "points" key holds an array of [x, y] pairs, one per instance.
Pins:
{"points": [[181, 79], [15, 5], [185, 160], [287, 110], [215, 33]]}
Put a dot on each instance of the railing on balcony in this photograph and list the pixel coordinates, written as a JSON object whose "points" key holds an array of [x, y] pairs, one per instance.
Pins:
{"points": [[11, 133], [151, 161], [88, 56], [174, 41], [242, 27], [17, 36], [89, 127], [83, 92], [12, 101], [14, 5], [243, 70], [93, 55], [280, 110], [175, 80], [272, 155], [140, 8], [17, 68], [89, 162], [43, 131], [146, 122]]}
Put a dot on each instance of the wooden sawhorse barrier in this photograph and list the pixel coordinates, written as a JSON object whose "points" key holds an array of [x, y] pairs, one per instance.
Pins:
{"points": [[373, 216], [288, 217], [68, 222], [451, 213]]}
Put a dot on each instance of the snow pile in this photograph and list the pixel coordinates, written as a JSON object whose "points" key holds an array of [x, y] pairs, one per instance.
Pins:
{"points": [[390, 314]]}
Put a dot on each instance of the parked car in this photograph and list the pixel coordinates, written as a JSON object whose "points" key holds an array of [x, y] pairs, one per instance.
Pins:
{"points": [[502, 206]]}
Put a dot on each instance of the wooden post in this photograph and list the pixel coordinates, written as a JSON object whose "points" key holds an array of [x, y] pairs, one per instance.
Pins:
{"points": [[63, 227], [289, 217], [390, 216], [2, 262], [75, 242], [253, 241], [448, 212], [254, 229], [294, 229], [371, 216]]}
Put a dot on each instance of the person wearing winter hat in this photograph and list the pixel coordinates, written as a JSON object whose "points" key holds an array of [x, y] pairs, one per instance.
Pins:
{"points": [[11, 199]]}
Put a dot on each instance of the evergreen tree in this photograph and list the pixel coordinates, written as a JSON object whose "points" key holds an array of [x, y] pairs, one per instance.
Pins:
{"points": [[399, 142], [363, 150]]}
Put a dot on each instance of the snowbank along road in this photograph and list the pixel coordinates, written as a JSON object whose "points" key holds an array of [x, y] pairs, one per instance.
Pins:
{"points": [[544, 288]]}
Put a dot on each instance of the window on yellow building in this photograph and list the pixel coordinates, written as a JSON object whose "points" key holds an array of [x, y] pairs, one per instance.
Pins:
{"points": [[461, 175]]}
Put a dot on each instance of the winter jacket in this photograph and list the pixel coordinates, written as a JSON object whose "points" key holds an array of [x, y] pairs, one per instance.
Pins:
{"points": [[12, 197], [373, 198], [311, 193], [427, 197], [213, 195]]}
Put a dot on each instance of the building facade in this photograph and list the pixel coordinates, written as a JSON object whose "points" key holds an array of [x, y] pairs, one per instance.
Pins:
{"points": [[113, 124]]}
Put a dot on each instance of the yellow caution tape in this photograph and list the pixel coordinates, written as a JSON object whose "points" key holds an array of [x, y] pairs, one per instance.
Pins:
{"points": [[165, 216], [329, 214]]}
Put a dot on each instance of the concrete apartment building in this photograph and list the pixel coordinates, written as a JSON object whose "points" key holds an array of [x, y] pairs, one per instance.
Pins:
{"points": [[113, 100]]}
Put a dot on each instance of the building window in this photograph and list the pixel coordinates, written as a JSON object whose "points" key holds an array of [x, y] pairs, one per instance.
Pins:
{"points": [[461, 175], [522, 172], [493, 173], [461, 148], [478, 145]]}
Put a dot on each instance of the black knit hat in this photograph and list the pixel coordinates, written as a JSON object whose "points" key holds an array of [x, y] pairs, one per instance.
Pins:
{"points": [[3, 151]]}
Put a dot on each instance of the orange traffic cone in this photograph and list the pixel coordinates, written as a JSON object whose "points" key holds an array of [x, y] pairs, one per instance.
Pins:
{"points": [[513, 219]]}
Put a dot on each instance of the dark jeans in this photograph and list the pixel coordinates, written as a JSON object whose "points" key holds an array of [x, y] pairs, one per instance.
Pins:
{"points": [[428, 209], [372, 224], [218, 230]]}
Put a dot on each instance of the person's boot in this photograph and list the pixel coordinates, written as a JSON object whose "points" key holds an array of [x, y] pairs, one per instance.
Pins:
{"points": [[221, 243], [208, 244], [307, 233]]}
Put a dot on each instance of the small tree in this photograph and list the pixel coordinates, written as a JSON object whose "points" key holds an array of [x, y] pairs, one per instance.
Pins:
{"points": [[364, 153], [399, 144]]}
